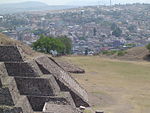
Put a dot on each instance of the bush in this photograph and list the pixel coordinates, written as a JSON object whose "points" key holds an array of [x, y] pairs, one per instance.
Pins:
{"points": [[114, 52], [148, 47], [117, 32], [121, 53], [109, 52]]}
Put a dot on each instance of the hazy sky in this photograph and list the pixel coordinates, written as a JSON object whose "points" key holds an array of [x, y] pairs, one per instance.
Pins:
{"points": [[77, 2]]}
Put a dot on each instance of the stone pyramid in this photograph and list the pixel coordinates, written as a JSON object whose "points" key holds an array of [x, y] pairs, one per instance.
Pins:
{"points": [[39, 85]]}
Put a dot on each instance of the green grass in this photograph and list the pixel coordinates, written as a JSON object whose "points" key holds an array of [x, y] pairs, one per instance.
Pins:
{"points": [[125, 83]]}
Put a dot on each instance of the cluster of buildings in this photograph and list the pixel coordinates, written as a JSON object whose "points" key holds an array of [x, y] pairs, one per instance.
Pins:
{"points": [[89, 28]]}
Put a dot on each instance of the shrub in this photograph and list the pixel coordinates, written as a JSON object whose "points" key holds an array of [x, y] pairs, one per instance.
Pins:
{"points": [[148, 47]]}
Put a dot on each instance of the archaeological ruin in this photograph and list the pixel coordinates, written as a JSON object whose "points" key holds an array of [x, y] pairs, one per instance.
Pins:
{"points": [[37, 85]]}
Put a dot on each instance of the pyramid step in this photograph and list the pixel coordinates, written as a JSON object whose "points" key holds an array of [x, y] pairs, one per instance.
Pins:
{"points": [[22, 69], [37, 86], [10, 54]]}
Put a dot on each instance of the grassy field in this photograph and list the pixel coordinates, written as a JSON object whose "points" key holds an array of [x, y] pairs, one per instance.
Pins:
{"points": [[115, 86]]}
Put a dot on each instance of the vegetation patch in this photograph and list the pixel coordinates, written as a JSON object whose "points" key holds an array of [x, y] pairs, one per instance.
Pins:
{"points": [[54, 45], [114, 52]]}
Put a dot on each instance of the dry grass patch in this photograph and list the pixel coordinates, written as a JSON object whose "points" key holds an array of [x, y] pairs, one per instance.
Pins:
{"points": [[115, 86]]}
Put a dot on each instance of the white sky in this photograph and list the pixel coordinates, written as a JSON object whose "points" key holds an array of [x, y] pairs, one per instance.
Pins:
{"points": [[77, 2]]}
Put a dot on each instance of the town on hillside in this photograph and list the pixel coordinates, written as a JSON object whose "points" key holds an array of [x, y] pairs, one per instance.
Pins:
{"points": [[92, 29]]}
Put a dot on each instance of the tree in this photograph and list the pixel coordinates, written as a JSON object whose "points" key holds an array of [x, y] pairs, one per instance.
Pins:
{"points": [[46, 44], [113, 26], [117, 32], [94, 31], [86, 51], [68, 44], [132, 28], [148, 47]]}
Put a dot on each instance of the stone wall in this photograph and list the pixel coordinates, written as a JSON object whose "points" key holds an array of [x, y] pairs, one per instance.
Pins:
{"points": [[34, 86], [10, 54], [20, 69], [64, 79]]}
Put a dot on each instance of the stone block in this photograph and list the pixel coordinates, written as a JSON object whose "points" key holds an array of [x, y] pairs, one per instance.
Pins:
{"points": [[36, 86], [10, 54], [21, 69]]}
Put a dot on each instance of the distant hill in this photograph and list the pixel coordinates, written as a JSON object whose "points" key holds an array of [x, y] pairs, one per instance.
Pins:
{"points": [[29, 6]]}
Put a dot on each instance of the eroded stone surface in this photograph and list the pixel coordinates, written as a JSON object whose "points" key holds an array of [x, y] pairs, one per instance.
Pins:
{"points": [[10, 54], [65, 81], [22, 69], [34, 86]]}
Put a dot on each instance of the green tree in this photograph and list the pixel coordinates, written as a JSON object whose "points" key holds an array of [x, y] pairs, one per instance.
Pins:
{"points": [[113, 26], [148, 47], [132, 28], [68, 44], [94, 31], [46, 44], [117, 32]]}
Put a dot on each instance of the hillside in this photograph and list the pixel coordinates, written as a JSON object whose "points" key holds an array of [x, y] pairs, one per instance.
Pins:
{"points": [[137, 53], [115, 86], [133, 54]]}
